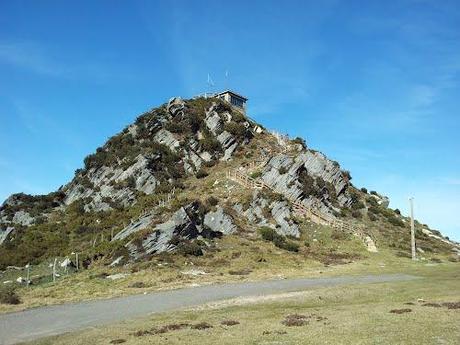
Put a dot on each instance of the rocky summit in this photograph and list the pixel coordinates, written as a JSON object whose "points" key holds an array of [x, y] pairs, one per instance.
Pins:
{"points": [[188, 172]]}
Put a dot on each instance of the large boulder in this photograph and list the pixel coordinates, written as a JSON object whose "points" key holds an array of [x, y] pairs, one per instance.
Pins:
{"points": [[187, 223], [218, 221], [176, 106]]}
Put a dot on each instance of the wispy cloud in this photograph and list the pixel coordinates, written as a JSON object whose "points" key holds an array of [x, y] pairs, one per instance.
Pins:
{"points": [[38, 122], [31, 57], [36, 58], [451, 181]]}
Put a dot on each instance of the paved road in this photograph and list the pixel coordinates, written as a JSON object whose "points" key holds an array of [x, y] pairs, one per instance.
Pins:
{"points": [[46, 321]]}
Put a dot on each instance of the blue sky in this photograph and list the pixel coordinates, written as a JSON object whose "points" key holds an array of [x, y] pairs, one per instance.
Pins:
{"points": [[373, 84]]}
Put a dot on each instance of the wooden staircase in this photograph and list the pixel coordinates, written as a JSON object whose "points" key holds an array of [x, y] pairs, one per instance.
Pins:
{"points": [[314, 215]]}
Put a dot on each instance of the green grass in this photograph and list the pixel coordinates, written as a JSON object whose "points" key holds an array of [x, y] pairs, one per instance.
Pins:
{"points": [[357, 314]]}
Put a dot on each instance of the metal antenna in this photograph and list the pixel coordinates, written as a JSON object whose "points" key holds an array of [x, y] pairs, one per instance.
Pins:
{"points": [[210, 84]]}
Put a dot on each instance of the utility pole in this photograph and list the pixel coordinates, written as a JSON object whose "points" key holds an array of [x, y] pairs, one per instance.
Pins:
{"points": [[54, 270], [28, 274], [412, 230]]}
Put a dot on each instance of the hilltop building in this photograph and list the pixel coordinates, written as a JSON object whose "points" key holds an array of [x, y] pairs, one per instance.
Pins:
{"points": [[233, 98]]}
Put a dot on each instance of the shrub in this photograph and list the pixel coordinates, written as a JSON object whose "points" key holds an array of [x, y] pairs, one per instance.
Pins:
{"points": [[278, 240], [364, 190], [289, 246], [395, 221], [397, 211], [201, 173], [212, 201], [268, 234], [8, 295], [346, 174], [175, 127], [190, 248], [359, 205], [256, 174], [211, 144], [300, 141], [339, 235], [371, 201], [373, 192], [356, 214], [343, 212], [237, 129], [282, 170], [372, 217]]}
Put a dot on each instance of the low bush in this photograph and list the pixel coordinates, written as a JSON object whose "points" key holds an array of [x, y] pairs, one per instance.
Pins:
{"points": [[189, 248], [212, 201], [282, 170], [268, 234], [372, 217], [8, 295], [289, 246], [300, 141], [356, 214], [237, 129], [280, 241], [395, 221], [256, 174], [201, 173], [210, 144]]}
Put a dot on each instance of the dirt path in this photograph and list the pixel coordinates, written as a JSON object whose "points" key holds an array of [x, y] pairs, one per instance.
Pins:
{"points": [[46, 321]]}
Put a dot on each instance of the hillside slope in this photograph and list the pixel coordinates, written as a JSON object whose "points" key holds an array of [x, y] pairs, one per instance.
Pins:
{"points": [[188, 172]]}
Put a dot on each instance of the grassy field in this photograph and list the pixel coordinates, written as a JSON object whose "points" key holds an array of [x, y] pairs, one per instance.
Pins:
{"points": [[425, 311], [234, 258]]}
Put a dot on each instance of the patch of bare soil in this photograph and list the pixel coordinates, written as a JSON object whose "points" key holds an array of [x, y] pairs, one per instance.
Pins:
{"points": [[243, 272], [301, 320], [274, 332], [161, 330], [434, 305], [452, 305], [230, 322], [201, 325], [401, 311], [295, 320]]}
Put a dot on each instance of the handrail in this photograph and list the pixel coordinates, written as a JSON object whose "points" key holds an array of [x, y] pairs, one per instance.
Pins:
{"points": [[314, 214]]}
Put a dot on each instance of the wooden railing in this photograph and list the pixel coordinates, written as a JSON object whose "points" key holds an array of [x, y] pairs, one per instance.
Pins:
{"points": [[315, 215]]}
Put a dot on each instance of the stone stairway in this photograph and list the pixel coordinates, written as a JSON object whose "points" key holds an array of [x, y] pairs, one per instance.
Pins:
{"points": [[314, 215]]}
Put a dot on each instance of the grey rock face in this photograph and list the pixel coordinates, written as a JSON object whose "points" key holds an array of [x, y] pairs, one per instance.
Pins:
{"points": [[138, 225], [4, 233], [316, 165], [176, 106], [167, 138], [220, 222], [104, 181], [182, 223], [282, 215], [319, 165], [185, 223], [229, 144], [287, 183], [23, 218], [213, 121], [255, 213]]}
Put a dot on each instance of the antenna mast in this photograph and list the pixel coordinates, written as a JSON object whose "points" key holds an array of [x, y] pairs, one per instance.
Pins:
{"points": [[210, 85]]}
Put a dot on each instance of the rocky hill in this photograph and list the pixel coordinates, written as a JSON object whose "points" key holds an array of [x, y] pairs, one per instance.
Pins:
{"points": [[190, 171]]}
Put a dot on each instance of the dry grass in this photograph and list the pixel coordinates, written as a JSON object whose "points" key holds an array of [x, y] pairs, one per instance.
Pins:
{"points": [[357, 314]]}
